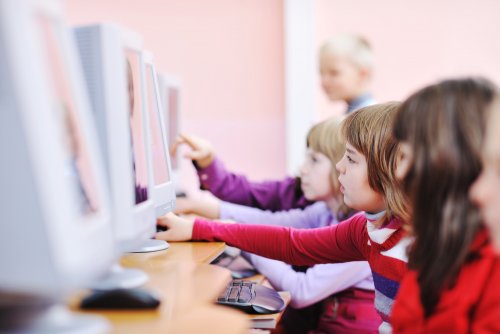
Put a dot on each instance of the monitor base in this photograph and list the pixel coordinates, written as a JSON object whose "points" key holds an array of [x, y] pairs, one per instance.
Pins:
{"points": [[152, 245], [121, 278]]}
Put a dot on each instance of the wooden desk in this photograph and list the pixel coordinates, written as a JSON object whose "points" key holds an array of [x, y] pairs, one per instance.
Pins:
{"points": [[187, 287], [198, 252]]}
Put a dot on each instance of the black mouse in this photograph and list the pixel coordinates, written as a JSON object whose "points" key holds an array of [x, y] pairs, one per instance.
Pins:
{"points": [[120, 299]]}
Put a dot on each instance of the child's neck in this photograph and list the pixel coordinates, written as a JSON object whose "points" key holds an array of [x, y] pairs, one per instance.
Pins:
{"points": [[334, 205]]}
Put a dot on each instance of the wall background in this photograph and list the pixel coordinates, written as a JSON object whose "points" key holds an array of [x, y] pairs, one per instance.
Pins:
{"points": [[230, 58]]}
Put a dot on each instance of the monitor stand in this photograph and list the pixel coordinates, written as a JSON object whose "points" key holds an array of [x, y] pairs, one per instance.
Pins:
{"points": [[121, 278], [151, 245], [36, 315]]}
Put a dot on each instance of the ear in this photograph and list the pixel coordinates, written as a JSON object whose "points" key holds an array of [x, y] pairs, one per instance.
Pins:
{"points": [[404, 160]]}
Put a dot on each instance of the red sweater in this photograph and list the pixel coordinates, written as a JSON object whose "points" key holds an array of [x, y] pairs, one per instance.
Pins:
{"points": [[355, 239], [471, 306]]}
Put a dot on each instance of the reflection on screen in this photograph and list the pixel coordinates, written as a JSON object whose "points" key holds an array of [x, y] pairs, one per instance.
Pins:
{"points": [[173, 114], [138, 145], [79, 167], [158, 150]]}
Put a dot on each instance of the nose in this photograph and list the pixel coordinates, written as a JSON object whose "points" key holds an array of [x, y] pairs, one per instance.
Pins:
{"points": [[477, 191]]}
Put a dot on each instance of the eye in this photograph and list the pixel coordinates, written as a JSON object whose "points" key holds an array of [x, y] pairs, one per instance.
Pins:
{"points": [[349, 159]]}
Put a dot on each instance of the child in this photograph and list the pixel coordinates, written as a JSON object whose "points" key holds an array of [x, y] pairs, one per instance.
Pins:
{"points": [[485, 192], [279, 195], [346, 69], [367, 180], [346, 66], [347, 287], [452, 284]]}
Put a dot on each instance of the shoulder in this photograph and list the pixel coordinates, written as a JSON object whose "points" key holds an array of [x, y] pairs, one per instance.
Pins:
{"points": [[357, 221]]}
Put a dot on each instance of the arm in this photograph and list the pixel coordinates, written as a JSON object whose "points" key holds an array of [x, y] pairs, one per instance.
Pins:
{"points": [[235, 188], [317, 283], [337, 243], [315, 215]]}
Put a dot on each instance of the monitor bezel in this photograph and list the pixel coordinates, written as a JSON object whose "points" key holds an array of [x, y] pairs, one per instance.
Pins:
{"points": [[57, 257], [164, 194]]}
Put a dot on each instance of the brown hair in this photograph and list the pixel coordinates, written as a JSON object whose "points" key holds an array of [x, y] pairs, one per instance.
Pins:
{"points": [[369, 131], [444, 124], [324, 137]]}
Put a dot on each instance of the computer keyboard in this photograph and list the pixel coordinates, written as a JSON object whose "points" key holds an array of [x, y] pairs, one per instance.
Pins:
{"points": [[251, 297]]}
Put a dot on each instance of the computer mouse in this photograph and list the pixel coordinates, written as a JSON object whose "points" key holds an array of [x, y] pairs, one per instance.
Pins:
{"points": [[267, 300], [120, 299], [243, 273]]}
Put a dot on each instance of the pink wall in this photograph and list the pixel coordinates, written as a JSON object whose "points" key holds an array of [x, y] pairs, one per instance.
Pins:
{"points": [[229, 57], [417, 42]]}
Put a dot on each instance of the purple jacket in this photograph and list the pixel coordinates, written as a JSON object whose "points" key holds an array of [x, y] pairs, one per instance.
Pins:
{"points": [[267, 195]]}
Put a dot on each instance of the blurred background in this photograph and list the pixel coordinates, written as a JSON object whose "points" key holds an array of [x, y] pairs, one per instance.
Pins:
{"points": [[247, 66]]}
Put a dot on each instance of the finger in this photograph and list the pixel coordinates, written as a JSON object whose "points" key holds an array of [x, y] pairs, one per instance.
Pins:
{"points": [[162, 235], [190, 140], [179, 140], [166, 220]]}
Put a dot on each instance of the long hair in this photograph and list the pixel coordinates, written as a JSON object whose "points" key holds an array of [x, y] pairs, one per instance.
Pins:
{"points": [[324, 138], [369, 131], [444, 124]]}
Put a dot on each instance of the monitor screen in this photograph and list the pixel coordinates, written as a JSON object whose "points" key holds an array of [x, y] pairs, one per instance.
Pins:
{"points": [[139, 162], [158, 149], [79, 167], [173, 118]]}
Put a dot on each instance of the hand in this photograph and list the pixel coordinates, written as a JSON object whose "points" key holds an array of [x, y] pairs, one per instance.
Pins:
{"points": [[201, 150], [178, 229], [205, 208]]}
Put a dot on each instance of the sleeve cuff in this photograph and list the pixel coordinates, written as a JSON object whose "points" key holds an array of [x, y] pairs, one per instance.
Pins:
{"points": [[207, 174]]}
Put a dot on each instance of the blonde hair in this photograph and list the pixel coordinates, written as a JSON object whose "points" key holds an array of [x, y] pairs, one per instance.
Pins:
{"points": [[325, 138], [355, 47], [369, 131]]}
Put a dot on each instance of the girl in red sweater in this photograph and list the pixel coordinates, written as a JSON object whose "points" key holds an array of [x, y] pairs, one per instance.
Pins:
{"points": [[452, 283], [368, 183]]}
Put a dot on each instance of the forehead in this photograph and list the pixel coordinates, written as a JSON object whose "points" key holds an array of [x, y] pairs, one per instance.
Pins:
{"points": [[330, 59], [350, 149], [492, 143]]}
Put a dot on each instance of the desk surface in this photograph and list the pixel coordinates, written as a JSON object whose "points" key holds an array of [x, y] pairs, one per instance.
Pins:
{"points": [[198, 252], [187, 287]]}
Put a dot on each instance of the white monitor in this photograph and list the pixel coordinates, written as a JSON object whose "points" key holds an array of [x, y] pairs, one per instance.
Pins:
{"points": [[112, 60], [170, 95], [55, 232], [164, 192]]}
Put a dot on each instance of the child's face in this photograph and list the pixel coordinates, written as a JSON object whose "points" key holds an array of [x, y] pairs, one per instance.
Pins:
{"points": [[485, 192], [341, 79], [353, 178], [315, 175]]}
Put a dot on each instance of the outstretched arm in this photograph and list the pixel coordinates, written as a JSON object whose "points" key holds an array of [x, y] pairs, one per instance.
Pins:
{"points": [[317, 283], [316, 215], [236, 188], [338, 243]]}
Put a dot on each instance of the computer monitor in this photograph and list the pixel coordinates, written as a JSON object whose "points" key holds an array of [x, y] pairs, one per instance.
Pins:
{"points": [[55, 232], [113, 68], [164, 192], [170, 88]]}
